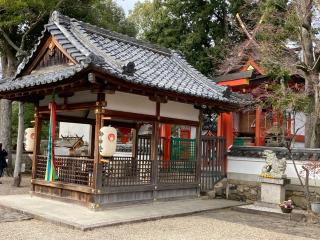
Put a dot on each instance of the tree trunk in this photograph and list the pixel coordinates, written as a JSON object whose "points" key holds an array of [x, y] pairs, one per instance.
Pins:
{"points": [[5, 130], [304, 14], [9, 66], [17, 168]]}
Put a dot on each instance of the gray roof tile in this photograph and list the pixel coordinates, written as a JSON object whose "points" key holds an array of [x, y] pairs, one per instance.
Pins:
{"points": [[155, 66]]}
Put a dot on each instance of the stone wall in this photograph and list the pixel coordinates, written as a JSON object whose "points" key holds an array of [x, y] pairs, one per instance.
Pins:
{"points": [[245, 191], [250, 192], [245, 164]]}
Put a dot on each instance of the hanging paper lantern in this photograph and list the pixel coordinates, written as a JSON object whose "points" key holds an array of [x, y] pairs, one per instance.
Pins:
{"points": [[107, 141], [29, 135]]}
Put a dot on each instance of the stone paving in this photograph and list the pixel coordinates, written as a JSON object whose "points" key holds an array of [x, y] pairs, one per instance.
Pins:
{"points": [[7, 215], [80, 217]]}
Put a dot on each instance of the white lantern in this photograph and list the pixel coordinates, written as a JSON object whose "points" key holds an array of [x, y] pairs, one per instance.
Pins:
{"points": [[107, 141], [29, 136]]}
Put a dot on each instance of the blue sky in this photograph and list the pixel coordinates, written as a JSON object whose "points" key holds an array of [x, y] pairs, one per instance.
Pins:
{"points": [[127, 4]]}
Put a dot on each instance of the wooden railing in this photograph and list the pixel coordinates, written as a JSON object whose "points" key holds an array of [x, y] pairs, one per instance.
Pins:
{"points": [[77, 170], [126, 171], [177, 171]]}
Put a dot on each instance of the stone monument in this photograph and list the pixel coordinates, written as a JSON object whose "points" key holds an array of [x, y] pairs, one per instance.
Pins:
{"points": [[273, 179]]}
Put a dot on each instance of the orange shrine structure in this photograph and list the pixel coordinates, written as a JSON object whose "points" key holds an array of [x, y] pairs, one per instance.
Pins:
{"points": [[255, 127]]}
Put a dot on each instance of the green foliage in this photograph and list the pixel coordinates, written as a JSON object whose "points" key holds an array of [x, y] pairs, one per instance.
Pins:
{"points": [[106, 14], [284, 98], [279, 27], [17, 17], [197, 28]]}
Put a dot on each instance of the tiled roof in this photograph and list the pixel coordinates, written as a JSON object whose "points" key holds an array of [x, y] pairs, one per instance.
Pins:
{"points": [[51, 75], [123, 57], [234, 76]]}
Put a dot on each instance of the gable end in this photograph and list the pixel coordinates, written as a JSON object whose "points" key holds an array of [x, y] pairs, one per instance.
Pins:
{"points": [[50, 55]]}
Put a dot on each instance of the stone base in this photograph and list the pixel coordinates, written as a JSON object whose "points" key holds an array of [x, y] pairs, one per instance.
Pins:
{"points": [[273, 190]]}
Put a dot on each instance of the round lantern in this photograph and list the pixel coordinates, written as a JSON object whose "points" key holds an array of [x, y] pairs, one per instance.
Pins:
{"points": [[107, 141], [29, 135]]}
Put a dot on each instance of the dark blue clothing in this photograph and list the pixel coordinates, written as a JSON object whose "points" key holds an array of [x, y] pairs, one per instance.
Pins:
{"points": [[3, 162]]}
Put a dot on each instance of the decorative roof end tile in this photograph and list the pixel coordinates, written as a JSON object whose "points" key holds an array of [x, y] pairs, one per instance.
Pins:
{"points": [[129, 69]]}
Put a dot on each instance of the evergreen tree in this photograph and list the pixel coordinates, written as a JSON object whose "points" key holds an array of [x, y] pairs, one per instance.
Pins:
{"points": [[21, 23]]}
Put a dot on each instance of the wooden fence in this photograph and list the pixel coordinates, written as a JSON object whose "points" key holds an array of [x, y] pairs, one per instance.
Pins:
{"points": [[77, 170], [130, 171], [213, 154]]}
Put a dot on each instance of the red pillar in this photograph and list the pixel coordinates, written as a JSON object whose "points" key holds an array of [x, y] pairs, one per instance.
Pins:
{"points": [[225, 129], [258, 141], [219, 126], [166, 135]]}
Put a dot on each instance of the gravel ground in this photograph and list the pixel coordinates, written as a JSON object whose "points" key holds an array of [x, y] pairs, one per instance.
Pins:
{"points": [[7, 189], [222, 225], [201, 226]]}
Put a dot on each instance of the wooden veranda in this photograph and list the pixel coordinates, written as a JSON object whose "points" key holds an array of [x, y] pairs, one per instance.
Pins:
{"points": [[103, 78]]}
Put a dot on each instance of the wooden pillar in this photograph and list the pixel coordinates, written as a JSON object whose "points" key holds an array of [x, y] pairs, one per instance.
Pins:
{"points": [[166, 136], [228, 122], [92, 140], [134, 143], [97, 167], [154, 150], [37, 139], [219, 125], [225, 127], [258, 127], [199, 152]]}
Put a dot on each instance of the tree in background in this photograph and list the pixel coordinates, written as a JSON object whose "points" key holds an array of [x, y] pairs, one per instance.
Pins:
{"points": [[290, 46], [200, 29], [21, 23]]}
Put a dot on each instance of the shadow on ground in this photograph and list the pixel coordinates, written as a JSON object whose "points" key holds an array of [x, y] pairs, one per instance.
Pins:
{"points": [[300, 229]]}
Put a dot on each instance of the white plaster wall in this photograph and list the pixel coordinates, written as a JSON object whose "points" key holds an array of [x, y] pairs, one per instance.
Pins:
{"points": [[127, 102], [72, 129], [245, 168], [179, 110]]}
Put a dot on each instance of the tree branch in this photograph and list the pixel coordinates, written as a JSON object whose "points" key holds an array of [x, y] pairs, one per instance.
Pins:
{"points": [[10, 42], [244, 28], [32, 26]]}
